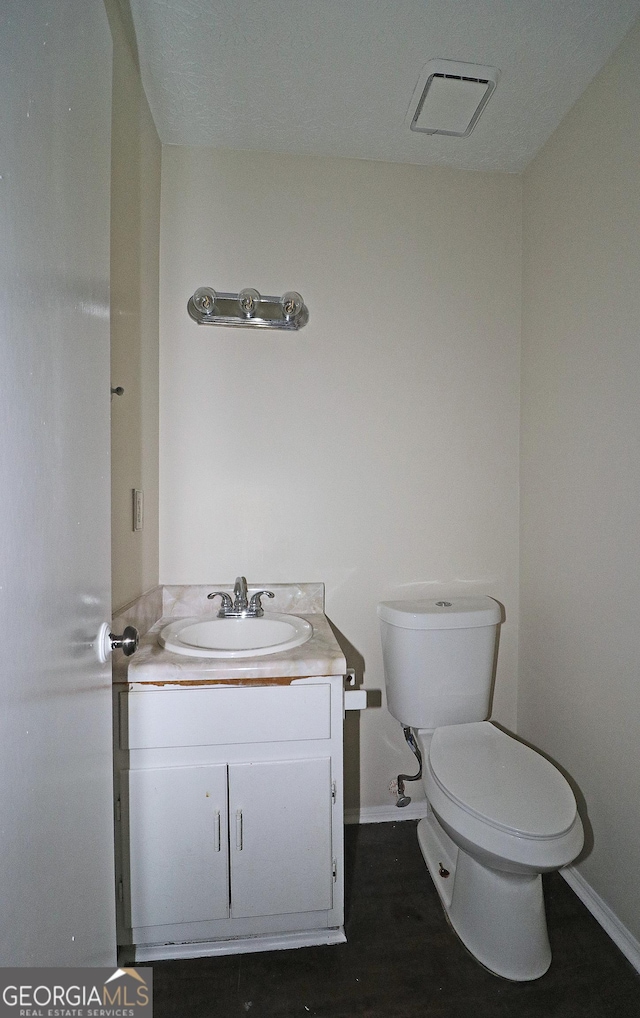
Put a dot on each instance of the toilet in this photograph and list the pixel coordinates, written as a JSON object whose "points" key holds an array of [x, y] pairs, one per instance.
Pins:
{"points": [[500, 814]]}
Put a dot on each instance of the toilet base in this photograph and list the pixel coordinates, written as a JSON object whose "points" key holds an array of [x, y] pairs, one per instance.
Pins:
{"points": [[499, 917]]}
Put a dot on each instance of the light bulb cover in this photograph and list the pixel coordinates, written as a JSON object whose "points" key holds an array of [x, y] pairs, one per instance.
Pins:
{"points": [[249, 299], [204, 300], [292, 305]]}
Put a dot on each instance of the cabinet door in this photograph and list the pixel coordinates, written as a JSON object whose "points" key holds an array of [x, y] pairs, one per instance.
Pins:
{"points": [[280, 836], [178, 846]]}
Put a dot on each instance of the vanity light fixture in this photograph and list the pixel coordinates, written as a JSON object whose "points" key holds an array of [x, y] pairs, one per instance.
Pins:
{"points": [[248, 308]]}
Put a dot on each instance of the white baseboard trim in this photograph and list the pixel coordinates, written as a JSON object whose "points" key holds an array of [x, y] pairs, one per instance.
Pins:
{"points": [[609, 921], [241, 945], [386, 814]]}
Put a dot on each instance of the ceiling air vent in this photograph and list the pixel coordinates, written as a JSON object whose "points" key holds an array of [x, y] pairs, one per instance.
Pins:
{"points": [[450, 97]]}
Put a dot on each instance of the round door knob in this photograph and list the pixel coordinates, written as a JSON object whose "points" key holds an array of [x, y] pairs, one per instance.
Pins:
{"points": [[108, 641], [128, 641]]}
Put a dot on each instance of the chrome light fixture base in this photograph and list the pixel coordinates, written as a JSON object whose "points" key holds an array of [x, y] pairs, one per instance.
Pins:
{"points": [[248, 309]]}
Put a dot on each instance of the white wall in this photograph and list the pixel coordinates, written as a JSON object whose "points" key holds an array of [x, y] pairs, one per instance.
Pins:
{"points": [[135, 239], [579, 689], [377, 449]]}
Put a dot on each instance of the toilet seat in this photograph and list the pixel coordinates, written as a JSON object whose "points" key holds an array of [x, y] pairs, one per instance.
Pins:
{"points": [[500, 781], [499, 800]]}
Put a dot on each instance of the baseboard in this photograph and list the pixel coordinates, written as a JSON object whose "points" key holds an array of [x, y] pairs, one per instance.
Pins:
{"points": [[609, 921], [240, 945], [386, 814]]}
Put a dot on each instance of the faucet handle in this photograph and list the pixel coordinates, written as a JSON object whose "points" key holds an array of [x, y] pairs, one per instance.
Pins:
{"points": [[255, 607], [227, 603]]}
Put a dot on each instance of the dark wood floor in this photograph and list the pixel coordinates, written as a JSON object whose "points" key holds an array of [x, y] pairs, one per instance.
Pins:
{"points": [[402, 960]]}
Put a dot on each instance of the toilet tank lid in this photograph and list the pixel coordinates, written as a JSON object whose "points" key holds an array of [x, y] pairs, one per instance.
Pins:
{"points": [[441, 613]]}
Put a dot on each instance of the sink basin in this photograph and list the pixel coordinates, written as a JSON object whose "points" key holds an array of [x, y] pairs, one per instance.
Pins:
{"points": [[233, 638]]}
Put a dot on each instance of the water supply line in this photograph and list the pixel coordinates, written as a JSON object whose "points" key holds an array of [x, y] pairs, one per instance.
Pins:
{"points": [[404, 800]]}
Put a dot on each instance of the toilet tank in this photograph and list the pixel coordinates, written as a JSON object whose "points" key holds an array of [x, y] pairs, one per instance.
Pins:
{"points": [[438, 659]]}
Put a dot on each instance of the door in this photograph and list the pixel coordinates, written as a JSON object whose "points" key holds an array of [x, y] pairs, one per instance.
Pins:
{"points": [[177, 844], [280, 837], [56, 802]]}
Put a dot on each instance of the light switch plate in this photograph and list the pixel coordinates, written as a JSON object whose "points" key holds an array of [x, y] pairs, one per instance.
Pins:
{"points": [[138, 509]]}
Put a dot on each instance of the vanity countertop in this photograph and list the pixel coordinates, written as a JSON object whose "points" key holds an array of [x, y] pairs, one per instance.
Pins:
{"points": [[155, 666]]}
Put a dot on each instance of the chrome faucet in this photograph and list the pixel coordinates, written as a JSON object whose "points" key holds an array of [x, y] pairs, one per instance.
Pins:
{"points": [[240, 596], [241, 607]]}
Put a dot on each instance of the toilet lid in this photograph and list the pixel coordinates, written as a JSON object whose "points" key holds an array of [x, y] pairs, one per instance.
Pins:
{"points": [[503, 782]]}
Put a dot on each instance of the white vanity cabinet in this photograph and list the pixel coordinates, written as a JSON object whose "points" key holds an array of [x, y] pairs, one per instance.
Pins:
{"points": [[230, 816]]}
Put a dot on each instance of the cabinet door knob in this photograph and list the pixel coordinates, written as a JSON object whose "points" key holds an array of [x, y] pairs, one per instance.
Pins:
{"points": [[239, 831], [216, 829]]}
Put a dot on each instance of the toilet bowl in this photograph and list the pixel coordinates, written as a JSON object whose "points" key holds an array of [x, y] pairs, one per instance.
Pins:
{"points": [[500, 816]]}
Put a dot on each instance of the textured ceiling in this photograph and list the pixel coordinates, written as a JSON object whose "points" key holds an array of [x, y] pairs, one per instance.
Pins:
{"points": [[335, 77]]}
